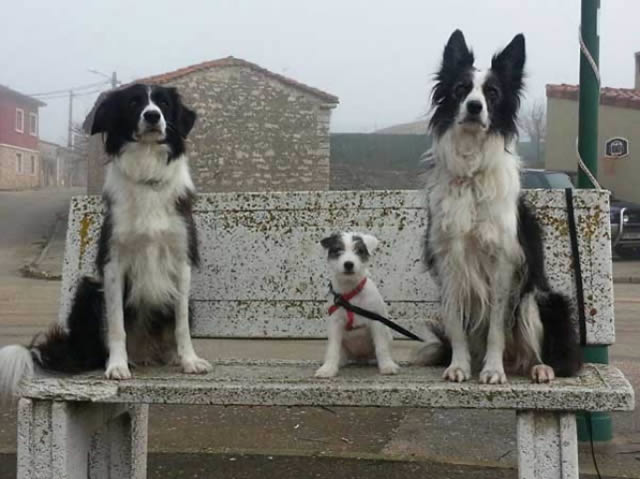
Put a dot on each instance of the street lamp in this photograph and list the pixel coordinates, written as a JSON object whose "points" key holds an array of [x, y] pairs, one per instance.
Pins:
{"points": [[113, 77]]}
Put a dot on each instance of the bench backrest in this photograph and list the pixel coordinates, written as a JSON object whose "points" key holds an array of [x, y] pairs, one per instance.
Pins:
{"points": [[264, 273]]}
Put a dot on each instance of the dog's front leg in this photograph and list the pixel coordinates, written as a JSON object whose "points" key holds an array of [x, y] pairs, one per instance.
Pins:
{"points": [[382, 341], [189, 360], [460, 368], [493, 369], [117, 367], [333, 356]]}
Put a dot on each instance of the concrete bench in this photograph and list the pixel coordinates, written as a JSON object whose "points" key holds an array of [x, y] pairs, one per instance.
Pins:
{"points": [[263, 275]]}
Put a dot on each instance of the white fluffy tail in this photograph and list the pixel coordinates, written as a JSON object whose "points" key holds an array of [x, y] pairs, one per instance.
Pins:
{"points": [[16, 364]]}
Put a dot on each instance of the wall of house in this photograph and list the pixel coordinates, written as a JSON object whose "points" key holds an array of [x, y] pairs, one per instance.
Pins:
{"points": [[8, 133], [253, 134], [562, 131], [10, 177]]}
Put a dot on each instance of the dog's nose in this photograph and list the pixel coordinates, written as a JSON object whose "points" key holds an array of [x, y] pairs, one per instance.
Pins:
{"points": [[152, 117], [348, 266], [474, 107]]}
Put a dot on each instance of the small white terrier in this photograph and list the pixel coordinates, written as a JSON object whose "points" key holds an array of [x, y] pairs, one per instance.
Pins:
{"points": [[350, 336]]}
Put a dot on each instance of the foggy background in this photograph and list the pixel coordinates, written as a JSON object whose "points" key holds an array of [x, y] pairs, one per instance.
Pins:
{"points": [[376, 56]]}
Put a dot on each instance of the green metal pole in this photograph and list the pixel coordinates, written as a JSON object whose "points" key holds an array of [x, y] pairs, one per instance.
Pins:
{"points": [[600, 429], [589, 93]]}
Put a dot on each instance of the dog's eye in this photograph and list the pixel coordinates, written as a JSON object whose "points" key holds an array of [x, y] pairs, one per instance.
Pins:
{"points": [[460, 89], [134, 102], [492, 93], [335, 252], [162, 102]]}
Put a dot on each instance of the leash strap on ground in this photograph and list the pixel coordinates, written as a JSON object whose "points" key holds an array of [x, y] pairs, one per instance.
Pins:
{"points": [[340, 301], [577, 267]]}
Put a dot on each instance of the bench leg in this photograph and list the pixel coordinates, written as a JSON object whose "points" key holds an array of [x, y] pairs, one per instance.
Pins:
{"points": [[119, 448], [59, 440], [547, 445]]}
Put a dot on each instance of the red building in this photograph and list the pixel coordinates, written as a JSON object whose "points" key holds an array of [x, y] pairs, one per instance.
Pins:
{"points": [[19, 153]]}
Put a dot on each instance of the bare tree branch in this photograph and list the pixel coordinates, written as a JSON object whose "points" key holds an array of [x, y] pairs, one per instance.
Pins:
{"points": [[533, 121]]}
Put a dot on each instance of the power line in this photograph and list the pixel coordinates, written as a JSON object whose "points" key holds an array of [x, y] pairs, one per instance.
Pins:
{"points": [[66, 95], [66, 90]]}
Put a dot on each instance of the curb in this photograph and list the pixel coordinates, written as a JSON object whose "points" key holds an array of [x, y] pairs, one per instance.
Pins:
{"points": [[31, 270], [627, 280]]}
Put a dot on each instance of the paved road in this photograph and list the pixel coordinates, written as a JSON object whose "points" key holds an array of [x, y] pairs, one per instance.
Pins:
{"points": [[25, 218], [28, 214]]}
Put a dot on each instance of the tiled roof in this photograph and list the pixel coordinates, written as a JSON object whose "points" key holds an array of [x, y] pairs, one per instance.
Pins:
{"points": [[233, 62], [619, 97], [220, 63], [21, 96]]}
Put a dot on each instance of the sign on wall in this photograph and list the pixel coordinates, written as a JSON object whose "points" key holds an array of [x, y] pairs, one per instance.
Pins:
{"points": [[616, 147]]}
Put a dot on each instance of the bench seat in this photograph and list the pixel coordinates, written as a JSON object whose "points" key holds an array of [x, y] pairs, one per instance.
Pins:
{"points": [[291, 383]]}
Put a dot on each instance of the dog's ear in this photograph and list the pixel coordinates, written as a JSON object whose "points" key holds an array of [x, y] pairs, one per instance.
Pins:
{"points": [[509, 63], [456, 53], [370, 241], [187, 119], [329, 240], [185, 116], [104, 115]]}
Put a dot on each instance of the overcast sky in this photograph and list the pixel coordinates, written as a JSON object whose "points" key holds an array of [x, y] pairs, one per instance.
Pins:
{"points": [[377, 56]]}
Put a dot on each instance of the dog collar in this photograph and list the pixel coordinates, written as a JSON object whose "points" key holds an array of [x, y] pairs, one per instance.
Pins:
{"points": [[346, 297]]}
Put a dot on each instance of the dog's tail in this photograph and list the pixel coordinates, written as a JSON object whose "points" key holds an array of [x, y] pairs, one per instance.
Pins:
{"points": [[78, 347], [436, 349], [560, 344]]}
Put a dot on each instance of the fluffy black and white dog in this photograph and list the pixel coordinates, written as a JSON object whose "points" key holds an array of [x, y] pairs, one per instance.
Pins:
{"points": [[136, 310], [483, 244]]}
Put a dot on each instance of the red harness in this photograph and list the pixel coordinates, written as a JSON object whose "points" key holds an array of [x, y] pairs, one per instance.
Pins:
{"points": [[350, 316]]}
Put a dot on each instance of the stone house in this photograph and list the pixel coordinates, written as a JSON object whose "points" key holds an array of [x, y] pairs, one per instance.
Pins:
{"points": [[256, 130], [19, 154], [619, 119], [51, 164], [61, 166]]}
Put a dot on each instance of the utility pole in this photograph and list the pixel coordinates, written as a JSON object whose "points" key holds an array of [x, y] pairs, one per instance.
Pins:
{"points": [[114, 80], [70, 133], [595, 425], [589, 93]]}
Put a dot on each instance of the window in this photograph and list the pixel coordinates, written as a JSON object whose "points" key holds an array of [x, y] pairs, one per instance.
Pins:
{"points": [[33, 164], [33, 124], [19, 120], [19, 164]]}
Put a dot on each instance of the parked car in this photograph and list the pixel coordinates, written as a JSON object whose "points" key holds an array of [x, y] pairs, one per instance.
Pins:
{"points": [[532, 178], [625, 228], [624, 215]]}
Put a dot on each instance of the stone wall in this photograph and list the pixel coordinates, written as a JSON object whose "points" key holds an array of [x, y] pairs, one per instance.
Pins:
{"points": [[253, 133], [10, 177]]}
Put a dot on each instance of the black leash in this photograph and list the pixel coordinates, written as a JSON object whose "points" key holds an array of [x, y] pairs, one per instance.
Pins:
{"points": [[577, 268], [340, 301]]}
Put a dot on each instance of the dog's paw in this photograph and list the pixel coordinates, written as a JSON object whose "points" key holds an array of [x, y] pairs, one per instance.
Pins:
{"points": [[118, 370], [326, 371], [541, 373], [457, 374], [493, 376], [388, 367], [195, 365]]}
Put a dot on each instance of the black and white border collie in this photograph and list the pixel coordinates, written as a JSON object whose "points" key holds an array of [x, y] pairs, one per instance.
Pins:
{"points": [[483, 244], [136, 310]]}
